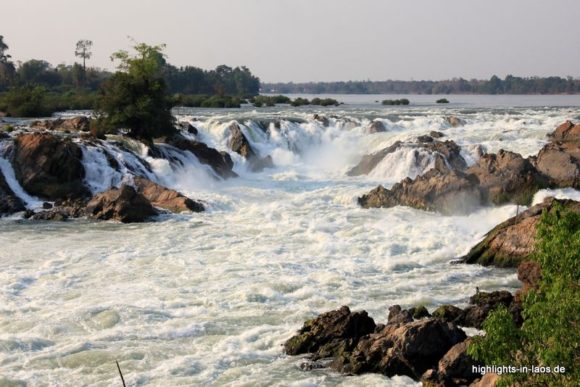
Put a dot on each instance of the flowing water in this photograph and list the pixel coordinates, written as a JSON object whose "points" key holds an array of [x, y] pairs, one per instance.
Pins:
{"points": [[208, 299]]}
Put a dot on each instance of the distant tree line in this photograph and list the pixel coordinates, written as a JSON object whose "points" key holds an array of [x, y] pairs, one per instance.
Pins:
{"points": [[224, 80], [495, 85]]}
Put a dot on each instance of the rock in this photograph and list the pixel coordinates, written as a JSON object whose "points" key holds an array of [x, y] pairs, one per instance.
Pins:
{"points": [[482, 304], [399, 316], [187, 127], [62, 210], [566, 132], [448, 313], [165, 198], [240, 144], [530, 274], [454, 121], [419, 312], [330, 333], [48, 166], [512, 241], [488, 380], [449, 192], [322, 119], [507, 177], [75, 124], [124, 204], [560, 163], [376, 127], [436, 134], [9, 202], [402, 349], [447, 155], [456, 366], [220, 162]]}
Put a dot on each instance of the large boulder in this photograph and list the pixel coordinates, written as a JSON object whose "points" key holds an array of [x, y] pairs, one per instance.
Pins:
{"points": [[75, 124], [123, 204], [454, 369], [49, 166], [220, 162], [560, 162], [402, 349], [566, 132], [512, 241], [165, 198], [238, 142], [9, 202], [447, 155], [330, 333], [507, 177], [448, 192], [376, 127]]}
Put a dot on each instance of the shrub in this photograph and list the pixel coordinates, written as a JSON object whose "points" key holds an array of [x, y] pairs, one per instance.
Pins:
{"points": [[25, 101], [549, 335], [300, 102], [402, 101], [443, 100]]}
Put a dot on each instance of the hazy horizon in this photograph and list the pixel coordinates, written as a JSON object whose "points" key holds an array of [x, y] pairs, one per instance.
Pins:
{"points": [[306, 41]]}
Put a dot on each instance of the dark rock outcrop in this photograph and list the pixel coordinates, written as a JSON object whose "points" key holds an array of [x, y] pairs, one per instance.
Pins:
{"points": [[75, 124], [123, 204], [454, 369], [330, 333], [165, 198], [507, 177], [49, 166], [9, 202], [448, 192], [220, 162], [436, 134], [401, 349], [61, 211], [512, 241], [240, 144], [187, 127]]}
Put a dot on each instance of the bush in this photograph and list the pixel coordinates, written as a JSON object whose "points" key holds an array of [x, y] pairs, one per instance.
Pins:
{"points": [[443, 100], [402, 101], [324, 102], [549, 335], [300, 102], [25, 101]]}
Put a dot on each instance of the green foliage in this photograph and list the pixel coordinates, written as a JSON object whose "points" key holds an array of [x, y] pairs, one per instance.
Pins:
{"points": [[442, 100], [135, 97], [300, 102], [27, 101], [549, 336], [402, 101], [324, 102], [261, 100]]}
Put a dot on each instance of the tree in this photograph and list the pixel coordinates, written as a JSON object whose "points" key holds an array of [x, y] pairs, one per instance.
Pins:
{"points": [[83, 51], [7, 69], [135, 97]]}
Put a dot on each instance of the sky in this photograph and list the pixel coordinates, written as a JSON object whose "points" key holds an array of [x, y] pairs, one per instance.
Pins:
{"points": [[311, 40]]}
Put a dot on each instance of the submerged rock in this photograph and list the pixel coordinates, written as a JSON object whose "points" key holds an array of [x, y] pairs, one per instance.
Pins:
{"points": [[513, 241], [9, 202], [220, 162], [61, 210], [165, 198], [49, 166], [376, 127], [239, 143], [454, 121], [447, 155], [123, 204]]}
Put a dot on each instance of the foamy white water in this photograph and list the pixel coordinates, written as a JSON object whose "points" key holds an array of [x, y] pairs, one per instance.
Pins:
{"points": [[208, 299]]}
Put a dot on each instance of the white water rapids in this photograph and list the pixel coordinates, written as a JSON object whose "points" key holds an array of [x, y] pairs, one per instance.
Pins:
{"points": [[208, 299]]}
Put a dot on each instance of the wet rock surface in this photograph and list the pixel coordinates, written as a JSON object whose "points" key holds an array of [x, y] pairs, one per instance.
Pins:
{"points": [[75, 124], [165, 198], [9, 202], [239, 143], [512, 241], [123, 204], [49, 166]]}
